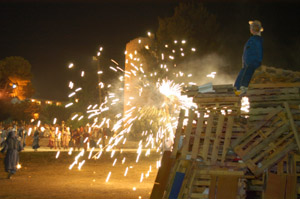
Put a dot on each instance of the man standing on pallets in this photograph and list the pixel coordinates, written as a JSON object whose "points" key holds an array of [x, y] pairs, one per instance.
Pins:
{"points": [[252, 57]]}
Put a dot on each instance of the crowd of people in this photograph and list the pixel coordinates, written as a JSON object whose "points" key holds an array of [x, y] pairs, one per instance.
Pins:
{"points": [[60, 136], [14, 137]]}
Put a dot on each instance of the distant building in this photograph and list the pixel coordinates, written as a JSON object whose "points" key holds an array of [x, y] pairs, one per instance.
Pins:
{"points": [[46, 102]]}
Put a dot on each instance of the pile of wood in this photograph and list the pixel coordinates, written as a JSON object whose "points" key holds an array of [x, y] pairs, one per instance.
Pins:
{"points": [[220, 151]]}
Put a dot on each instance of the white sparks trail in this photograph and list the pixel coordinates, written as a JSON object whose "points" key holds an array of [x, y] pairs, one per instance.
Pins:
{"points": [[108, 176], [152, 98]]}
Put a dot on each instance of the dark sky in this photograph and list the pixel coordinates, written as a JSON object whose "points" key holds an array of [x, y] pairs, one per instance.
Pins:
{"points": [[51, 34]]}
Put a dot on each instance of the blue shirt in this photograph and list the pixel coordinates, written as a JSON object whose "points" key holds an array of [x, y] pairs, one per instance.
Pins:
{"points": [[253, 51]]}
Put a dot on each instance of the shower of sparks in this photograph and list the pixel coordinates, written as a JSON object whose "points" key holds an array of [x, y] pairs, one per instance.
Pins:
{"points": [[152, 98]]}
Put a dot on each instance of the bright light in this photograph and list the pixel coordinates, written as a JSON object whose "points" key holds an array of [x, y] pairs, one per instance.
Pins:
{"points": [[71, 65]]}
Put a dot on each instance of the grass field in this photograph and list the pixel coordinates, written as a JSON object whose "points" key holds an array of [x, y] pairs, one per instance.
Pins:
{"points": [[44, 176]]}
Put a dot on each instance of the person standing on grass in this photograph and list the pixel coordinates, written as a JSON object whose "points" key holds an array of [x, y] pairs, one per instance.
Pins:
{"points": [[12, 146], [36, 139], [51, 137], [252, 57]]}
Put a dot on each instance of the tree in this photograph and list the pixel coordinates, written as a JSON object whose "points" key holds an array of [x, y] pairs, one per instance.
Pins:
{"points": [[192, 22], [49, 112], [16, 71]]}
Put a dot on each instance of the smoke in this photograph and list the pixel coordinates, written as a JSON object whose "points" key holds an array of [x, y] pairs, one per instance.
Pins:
{"points": [[201, 67]]}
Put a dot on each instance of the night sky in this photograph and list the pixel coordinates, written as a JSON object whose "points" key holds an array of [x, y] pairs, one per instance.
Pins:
{"points": [[50, 35]]}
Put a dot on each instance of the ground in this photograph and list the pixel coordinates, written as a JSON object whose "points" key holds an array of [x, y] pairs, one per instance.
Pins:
{"points": [[44, 176]]}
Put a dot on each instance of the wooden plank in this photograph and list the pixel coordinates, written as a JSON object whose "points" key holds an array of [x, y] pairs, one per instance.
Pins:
{"points": [[188, 173], [275, 188], [199, 196], [212, 187], [215, 95], [162, 176], [218, 99], [228, 134], [178, 133], [274, 85], [227, 187], [217, 140], [186, 141], [270, 91], [292, 124], [197, 136], [202, 183], [274, 97], [223, 86], [218, 172], [291, 187], [207, 136]]}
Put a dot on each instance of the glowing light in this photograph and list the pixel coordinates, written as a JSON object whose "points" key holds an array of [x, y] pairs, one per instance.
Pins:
{"points": [[39, 123], [114, 162], [212, 75], [71, 85], [19, 166], [71, 65], [78, 89], [245, 104], [69, 104], [108, 176], [29, 131], [142, 177], [57, 154], [81, 164], [71, 94]]}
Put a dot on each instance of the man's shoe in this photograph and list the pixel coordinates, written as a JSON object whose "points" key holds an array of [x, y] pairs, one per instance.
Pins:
{"points": [[237, 92], [9, 175]]}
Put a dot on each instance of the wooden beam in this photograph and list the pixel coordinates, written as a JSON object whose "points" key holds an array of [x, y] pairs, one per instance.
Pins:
{"points": [[292, 124], [178, 133], [186, 141], [274, 85], [197, 136], [215, 150], [228, 134]]}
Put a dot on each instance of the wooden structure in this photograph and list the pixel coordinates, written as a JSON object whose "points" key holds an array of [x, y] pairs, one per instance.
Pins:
{"points": [[229, 153]]}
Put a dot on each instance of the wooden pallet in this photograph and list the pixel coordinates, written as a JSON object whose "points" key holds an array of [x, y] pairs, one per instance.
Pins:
{"points": [[208, 138], [212, 182], [266, 74], [267, 142]]}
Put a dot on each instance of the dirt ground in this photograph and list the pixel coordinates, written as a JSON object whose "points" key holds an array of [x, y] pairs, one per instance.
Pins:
{"points": [[44, 176]]}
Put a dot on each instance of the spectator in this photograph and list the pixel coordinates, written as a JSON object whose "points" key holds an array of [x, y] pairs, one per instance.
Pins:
{"points": [[36, 139], [51, 138], [12, 147]]}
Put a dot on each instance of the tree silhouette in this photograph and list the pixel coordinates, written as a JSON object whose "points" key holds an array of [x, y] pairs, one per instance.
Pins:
{"points": [[191, 22]]}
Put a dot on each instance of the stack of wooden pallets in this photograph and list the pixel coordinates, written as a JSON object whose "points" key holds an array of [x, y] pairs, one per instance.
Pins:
{"points": [[227, 153]]}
